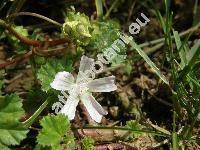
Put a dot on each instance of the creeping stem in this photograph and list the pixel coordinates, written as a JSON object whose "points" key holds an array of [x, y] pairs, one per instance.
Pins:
{"points": [[22, 38], [34, 15]]}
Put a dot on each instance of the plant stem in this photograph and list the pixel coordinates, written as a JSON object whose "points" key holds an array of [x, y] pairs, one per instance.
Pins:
{"points": [[174, 133], [35, 15], [99, 8], [128, 129], [29, 53], [111, 8], [192, 29], [30, 121], [23, 39]]}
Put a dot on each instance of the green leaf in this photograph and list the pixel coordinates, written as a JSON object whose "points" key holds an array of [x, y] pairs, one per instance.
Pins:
{"points": [[69, 142], [53, 131], [103, 35], [12, 131], [87, 143], [149, 62], [192, 57], [21, 47], [162, 21], [47, 72], [181, 48], [128, 67], [3, 147], [21, 30], [196, 17], [1, 85], [194, 53], [133, 124], [40, 147]]}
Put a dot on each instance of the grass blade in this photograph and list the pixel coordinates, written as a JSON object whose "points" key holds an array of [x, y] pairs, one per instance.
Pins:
{"points": [[181, 48], [191, 56], [16, 7], [149, 62], [193, 53], [99, 8]]}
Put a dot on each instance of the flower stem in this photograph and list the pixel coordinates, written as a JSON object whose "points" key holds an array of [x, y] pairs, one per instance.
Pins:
{"points": [[30, 121]]}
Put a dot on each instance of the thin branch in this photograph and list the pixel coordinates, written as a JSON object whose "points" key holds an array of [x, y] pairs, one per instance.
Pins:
{"points": [[16, 59], [35, 15], [23, 39], [43, 53]]}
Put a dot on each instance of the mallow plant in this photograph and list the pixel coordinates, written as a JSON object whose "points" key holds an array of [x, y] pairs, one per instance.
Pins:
{"points": [[83, 39]]}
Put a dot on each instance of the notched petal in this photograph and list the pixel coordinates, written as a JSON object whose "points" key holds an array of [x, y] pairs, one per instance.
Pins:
{"points": [[63, 81], [94, 109], [97, 106], [106, 84], [69, 108], [85, 63]]}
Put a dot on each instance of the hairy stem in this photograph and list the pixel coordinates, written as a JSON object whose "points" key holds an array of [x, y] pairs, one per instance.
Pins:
{"points": [[35, 15], [16, 59], [23, 39]]}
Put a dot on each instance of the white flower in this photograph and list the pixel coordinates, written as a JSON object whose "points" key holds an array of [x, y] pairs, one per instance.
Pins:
{"points": [[81, 90]]}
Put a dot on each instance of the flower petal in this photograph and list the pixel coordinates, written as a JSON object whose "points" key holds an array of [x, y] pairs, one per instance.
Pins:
{"points": [[69, 108], [102, 84], [93, 107], [63, 81], [98, 107], [86, 64]]}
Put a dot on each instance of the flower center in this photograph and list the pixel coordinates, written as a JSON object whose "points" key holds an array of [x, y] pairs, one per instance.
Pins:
{"points": [[82, 88]]}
